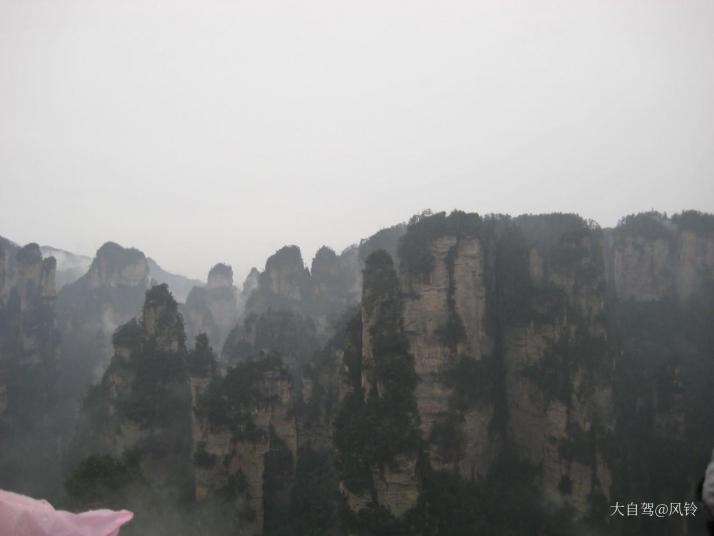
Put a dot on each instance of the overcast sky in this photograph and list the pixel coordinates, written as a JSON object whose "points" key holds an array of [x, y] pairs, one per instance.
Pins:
{"points": [[206, 131]]}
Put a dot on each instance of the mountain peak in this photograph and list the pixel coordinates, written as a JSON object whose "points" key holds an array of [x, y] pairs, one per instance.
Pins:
{"points": [[220, 276]]}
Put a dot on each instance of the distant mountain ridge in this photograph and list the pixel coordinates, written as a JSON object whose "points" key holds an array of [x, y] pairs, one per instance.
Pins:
{"points": [[72, 266]]}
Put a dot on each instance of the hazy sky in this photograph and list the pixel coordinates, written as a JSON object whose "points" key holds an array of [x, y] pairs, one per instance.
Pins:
{"points": [[206, 131]]}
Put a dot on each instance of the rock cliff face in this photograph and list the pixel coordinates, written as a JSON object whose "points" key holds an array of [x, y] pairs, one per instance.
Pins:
{"points": [[92, 308], [662, 275], [582, 354], [117, 267], [226, 444], [559, 366], [290, 334], [24, 275], [290, 310], [27, 294], [138, 418], [246, 444], [284, 284], [655, 258], [213, 309], [352, 259], [508, 348], [251, 283], [497, 375], [329, 288], [323, 293], [29, 431], [446, 314], [142, 402], [383, 402]]}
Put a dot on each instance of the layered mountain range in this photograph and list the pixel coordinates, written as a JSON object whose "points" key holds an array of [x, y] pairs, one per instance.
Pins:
{"points": [[458, 374]]}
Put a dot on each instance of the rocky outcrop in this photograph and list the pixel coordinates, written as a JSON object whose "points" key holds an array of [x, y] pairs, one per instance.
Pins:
{"points": [[246, 443], [446, 321], [662, 281], [117, 267], [92, 308], [213, 309], [559, 367], [27, 294], [377, 429], [529, 340], [24, 275], [323, 293], [139, 416], [655, 258], [29, 431], [252, 280], [162, 324], [324, 386], [499, 374], [287, 333], [352, 259], [329, 287], [30, 277], [284, 284], [146, 389], [227, 445], [504, 326], [220, 276]]}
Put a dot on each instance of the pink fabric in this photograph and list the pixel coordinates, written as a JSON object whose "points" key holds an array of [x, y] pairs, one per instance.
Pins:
{"points": [[24, 516]]}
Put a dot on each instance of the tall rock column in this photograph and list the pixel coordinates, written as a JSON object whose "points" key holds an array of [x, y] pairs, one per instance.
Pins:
{"points": [[377, 429], [662, 280], [446, 280], [559, 368], [134, 444], [30, 426], [213, 309]]}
